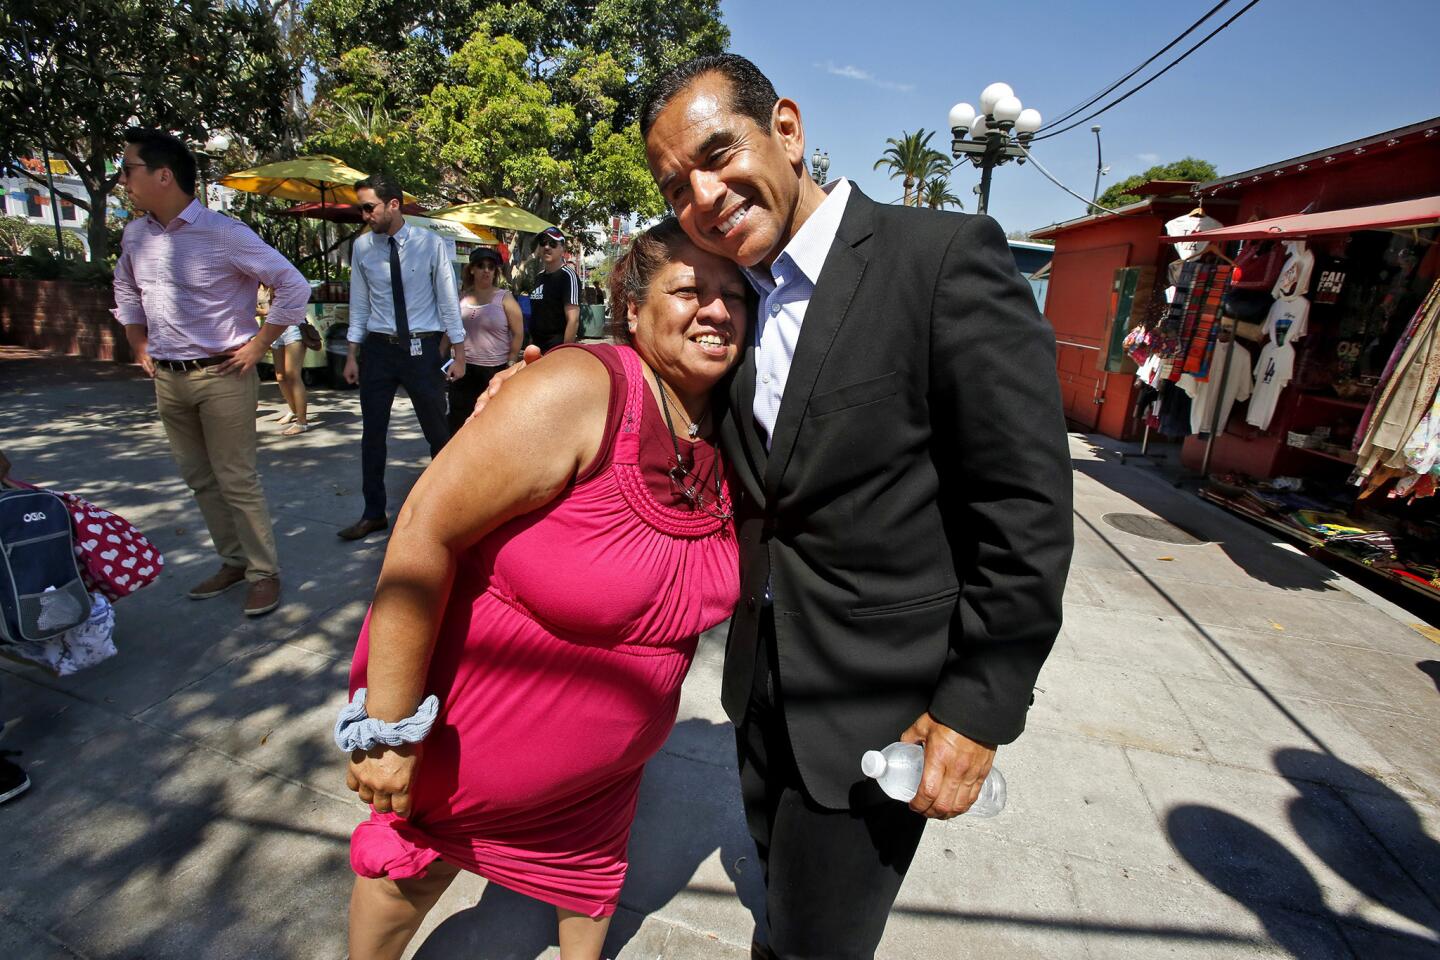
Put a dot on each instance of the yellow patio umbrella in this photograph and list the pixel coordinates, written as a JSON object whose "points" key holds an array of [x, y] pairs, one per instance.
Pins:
{"points": [[495, 212], [318, 177]]}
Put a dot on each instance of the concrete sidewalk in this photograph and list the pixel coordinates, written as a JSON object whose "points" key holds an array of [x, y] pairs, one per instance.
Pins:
{"points": [[1231, 754]]}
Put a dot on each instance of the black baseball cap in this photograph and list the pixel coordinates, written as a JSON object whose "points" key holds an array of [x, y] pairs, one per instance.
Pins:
{"points": [[485, 253]]}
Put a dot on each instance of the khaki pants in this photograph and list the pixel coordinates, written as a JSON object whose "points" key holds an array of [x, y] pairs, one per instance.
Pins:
{"points": [[210, 421]]}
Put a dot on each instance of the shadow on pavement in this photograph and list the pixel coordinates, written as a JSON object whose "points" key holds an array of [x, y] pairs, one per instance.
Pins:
{"points": [[1262, 561], [1431, 669], [1374, 841], [689, 810]]}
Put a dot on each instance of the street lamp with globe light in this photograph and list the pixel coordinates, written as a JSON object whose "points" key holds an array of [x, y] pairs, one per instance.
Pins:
{"points": [[820, 166], [998, 131]]}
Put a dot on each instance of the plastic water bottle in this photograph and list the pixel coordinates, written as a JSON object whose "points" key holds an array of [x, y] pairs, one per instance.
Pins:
{"points": [[897, 769]]}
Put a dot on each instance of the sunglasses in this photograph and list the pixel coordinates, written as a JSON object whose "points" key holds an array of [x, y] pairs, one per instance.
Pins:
{"points": [[549, 243], [487, 265], [126, 167], [371, 207]]}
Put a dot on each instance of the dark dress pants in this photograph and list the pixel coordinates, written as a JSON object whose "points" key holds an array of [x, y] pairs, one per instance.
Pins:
{"points": [[384, 367], [831, 876]]}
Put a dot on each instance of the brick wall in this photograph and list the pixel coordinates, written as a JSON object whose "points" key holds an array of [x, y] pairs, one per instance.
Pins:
{"points": [[63, 317]]}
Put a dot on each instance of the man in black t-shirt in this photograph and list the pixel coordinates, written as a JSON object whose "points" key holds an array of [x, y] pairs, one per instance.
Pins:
{"points": [[555, 301]]}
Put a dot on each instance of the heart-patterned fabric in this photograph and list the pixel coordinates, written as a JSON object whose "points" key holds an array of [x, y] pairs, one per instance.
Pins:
{"points": [[115, 558]]}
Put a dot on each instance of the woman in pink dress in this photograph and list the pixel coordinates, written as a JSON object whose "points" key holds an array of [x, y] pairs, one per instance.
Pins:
{"points": [[547, 582]]}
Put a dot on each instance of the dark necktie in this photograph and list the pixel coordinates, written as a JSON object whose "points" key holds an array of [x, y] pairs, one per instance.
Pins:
{"points": [[397, 288]]}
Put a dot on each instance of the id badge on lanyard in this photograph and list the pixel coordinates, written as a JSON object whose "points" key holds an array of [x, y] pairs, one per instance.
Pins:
{"points": [[414, 346]]}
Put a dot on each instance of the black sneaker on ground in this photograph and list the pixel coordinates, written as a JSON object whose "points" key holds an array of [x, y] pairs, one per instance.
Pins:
{"points": [[13, 781]]}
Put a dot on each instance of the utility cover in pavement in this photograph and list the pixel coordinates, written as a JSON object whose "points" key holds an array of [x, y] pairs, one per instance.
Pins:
{"points": [[1151, 528]]}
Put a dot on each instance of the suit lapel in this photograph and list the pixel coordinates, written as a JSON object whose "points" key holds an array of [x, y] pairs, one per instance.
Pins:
{"points": [[829, 304]]}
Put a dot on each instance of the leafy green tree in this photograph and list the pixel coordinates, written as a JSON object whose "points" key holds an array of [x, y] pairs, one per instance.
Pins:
{"points": [[1186, 168], [912, 158], [75, 75], [535, 101], [935, 193], [19, 236]]}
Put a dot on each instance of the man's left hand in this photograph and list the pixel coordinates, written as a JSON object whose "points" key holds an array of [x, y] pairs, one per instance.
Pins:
{"points": [[457, 369], [243, 360], [955, 768]]}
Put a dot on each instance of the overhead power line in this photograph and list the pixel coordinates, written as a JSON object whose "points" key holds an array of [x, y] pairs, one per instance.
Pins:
{"points": [[1168, 67], [1049, 176], [1166, 49]]}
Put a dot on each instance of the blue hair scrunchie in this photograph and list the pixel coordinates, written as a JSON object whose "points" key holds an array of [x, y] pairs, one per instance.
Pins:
{"points": [[356, 730]]}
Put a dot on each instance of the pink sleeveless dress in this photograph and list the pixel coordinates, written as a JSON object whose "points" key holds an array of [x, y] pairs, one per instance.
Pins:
{"points": [[558, 663]]}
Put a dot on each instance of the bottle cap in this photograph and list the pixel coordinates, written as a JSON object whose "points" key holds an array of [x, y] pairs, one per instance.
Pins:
{"points": [[873, 764]]}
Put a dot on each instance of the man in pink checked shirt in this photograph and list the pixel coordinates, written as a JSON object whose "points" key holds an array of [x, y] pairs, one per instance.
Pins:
{"points": [[185, 289]]}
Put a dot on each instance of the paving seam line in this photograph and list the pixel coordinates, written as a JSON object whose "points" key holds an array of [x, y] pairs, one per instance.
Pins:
{"points": [[184, 739], [46, 934], [1425, 797]]}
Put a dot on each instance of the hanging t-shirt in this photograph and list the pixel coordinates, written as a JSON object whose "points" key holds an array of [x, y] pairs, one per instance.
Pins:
{"points": [[1186, 225], [1205, 394], [1272, 373], [1294, 279], [1287, 320]]}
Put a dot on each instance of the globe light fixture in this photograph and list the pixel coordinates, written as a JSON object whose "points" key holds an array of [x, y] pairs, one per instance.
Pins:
{"points": [[992, 95], [962, 115], [1027, 123], [820, 166], [1007, 111], [997, 133]]}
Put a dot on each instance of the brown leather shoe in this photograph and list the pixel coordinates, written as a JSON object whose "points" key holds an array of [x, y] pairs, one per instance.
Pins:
{"points": [[263, 596], [218, 582], [362, 528]]}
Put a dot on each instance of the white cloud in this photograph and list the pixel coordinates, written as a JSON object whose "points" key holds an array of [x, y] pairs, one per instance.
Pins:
{"points": [[1149, 159], [851, 72]]}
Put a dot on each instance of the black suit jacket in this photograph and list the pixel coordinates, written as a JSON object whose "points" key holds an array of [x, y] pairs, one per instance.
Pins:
{"points": [[913, 511]]}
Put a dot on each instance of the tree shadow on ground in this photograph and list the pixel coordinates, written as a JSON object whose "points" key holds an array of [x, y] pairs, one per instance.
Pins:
{"points": [[689, 811], [1258, 558], [1431, 669], [1168, 492], [1373, 839], [187, 786]]}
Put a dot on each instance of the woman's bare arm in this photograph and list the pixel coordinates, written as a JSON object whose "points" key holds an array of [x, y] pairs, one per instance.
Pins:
{"points": [[548, 425]]}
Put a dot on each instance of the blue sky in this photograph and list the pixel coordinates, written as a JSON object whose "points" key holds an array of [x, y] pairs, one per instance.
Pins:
{"points": [[1289, 77]]}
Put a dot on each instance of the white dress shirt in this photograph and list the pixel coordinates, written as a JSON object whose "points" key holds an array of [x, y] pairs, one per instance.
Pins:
{"points": [[431, 303], [784, 297]]}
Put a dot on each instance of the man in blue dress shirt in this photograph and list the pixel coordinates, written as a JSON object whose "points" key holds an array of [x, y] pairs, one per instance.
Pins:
{"points": [[402, 301]]}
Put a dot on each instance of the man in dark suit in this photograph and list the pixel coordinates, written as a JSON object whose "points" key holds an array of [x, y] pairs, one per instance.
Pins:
{"points": [[903, 503]]}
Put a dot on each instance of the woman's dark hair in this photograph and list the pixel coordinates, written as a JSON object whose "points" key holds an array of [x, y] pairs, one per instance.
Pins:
{"points": [[159, 149], [386, 188], [478, 256], [751, 92], [630, 279]]}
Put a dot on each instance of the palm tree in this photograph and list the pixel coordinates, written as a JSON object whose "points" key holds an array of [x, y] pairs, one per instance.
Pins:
{"points": [[912, 158], [935, 194]]}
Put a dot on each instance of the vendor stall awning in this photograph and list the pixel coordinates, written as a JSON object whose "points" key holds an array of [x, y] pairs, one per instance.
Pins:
{"points": [[1423, 212]]}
